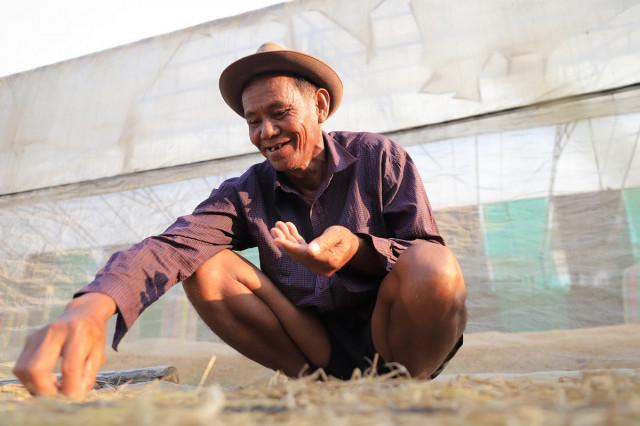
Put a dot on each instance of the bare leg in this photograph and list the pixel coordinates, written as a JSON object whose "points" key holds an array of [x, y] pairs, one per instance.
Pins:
{"points": [[420, 310], [246, 310]]}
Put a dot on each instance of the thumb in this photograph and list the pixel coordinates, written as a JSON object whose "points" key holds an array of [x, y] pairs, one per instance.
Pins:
{"points": [[328, 239], [314, 248]]}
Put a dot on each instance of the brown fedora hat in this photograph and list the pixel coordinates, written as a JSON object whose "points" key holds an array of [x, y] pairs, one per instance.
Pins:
{"points": [[273, 58]]}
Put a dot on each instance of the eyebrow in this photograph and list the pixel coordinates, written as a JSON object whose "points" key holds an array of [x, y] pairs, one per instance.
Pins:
{"points": [[271, 106]]}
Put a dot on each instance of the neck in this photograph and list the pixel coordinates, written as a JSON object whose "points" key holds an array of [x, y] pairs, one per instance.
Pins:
{"points": [[310, 179]]}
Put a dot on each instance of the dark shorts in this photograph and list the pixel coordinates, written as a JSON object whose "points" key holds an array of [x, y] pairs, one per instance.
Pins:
{"points": [[352, 346]]}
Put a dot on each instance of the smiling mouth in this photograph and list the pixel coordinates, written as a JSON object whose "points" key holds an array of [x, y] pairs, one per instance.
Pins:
{"points": [[277, 147]]}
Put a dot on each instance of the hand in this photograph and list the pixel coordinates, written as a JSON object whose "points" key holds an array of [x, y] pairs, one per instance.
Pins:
{"points": [[78, 338], [325, 255]]}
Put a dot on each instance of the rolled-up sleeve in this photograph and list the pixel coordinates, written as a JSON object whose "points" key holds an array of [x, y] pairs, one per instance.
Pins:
{"points": [[138, 276], [406, 209]]}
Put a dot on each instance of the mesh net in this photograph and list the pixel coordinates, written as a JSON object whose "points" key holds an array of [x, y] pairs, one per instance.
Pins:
{"points": [[545, 222]]}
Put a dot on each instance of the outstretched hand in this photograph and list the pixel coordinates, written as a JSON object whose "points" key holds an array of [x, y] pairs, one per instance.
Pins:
{"points": [[77, 338], [325, 255]]}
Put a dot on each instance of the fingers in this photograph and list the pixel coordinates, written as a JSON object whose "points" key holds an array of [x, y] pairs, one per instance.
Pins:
{"points": [[314, 248], [293, 231], [325, 255], [43, 383], [78, 338], [277, 233], [74, 356], [37, 361], [287, 231], [334, 248], [290, 247], [79, 343], [91, 367], [287, 237], [330, 240]]}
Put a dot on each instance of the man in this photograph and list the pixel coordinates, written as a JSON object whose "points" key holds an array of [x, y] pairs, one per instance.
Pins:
{"points": [[352, 262]]}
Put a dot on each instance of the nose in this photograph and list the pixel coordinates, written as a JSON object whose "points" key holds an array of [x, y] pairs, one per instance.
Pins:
{"points": [[268, 130]]}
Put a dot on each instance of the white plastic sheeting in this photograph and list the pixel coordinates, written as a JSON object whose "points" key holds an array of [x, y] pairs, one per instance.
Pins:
{"points": [[404, 63]]}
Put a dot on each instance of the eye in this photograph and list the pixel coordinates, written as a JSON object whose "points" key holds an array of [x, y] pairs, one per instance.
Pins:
{"points": [[280, 113]]}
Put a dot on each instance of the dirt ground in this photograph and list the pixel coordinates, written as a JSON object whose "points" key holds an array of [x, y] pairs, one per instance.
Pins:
{"points": [[559, 350], [584, 376]]}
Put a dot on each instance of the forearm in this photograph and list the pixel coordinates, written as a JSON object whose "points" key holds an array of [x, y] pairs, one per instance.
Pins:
{"points": [[137, 277], [366, 259], [100, 305], [377, 255]]}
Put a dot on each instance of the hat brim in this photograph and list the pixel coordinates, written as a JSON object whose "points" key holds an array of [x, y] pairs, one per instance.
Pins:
{"points": [[289, 62]]}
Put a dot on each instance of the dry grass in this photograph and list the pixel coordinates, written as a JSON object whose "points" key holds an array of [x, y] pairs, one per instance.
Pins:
{"points": [[598, 397]]}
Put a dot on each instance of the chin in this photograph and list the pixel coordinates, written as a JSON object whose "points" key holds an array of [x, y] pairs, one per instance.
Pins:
{"points": [[288, 165], [281, 167]]}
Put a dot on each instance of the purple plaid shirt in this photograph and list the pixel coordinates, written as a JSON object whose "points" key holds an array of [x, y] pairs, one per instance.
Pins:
{"points": [[372, 188]]}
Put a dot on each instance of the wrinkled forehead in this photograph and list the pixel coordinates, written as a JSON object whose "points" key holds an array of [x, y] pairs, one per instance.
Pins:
{"points": [[285, 80]]}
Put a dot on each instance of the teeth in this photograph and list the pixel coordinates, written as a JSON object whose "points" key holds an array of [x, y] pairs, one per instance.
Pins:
{"points": [[276, 147]]}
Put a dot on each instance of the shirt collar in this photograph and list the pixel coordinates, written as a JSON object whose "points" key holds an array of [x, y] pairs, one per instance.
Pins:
{"points": [[338, 159]]}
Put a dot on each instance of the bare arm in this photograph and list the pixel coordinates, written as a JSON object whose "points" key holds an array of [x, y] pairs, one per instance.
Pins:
{"points": [[367, 260], [78, 338]]}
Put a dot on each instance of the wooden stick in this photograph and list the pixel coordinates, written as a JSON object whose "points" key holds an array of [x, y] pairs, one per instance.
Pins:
{"points": [[207, 371]]}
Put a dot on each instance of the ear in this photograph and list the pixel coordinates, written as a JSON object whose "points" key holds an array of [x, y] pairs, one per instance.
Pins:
{"points": [[323, 104]]}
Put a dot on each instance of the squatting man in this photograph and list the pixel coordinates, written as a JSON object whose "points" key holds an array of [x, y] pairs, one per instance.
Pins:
{"points": [[352, 260]]}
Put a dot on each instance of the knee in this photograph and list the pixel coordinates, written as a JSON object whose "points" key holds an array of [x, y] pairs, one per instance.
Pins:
{"points": [[214, 266], [215, 290], [211, 278], [433, 269]]}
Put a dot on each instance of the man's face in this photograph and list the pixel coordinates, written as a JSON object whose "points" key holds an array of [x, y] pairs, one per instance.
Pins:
{"points": [[284, 122]]}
